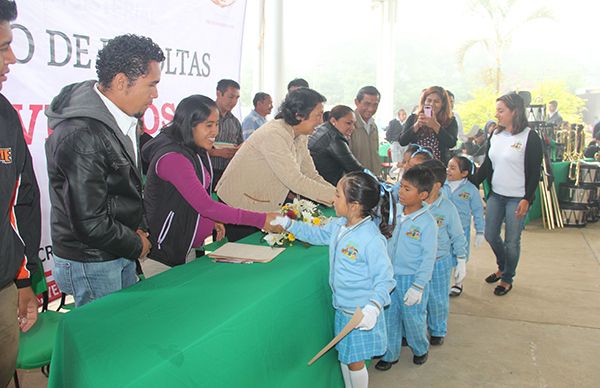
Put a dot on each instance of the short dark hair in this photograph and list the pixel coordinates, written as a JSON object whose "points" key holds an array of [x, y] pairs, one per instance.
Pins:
{"points": [[516, 104], [225, 84], [258, 97], [437, 168], [370, 90], [420, 177], [299, 102], [465, 164], [366, 190], [128, 54], [553, 102], [8, 11], [298, 82], [190, 112]]}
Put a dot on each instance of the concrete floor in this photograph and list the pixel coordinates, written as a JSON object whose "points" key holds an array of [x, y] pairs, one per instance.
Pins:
{"points": [[544, 333]]}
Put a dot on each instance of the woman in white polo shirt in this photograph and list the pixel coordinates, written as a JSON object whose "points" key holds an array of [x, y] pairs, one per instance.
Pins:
{"points": [[512, 167]]}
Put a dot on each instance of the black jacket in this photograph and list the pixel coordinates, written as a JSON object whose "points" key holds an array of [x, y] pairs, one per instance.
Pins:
{"points": [[19, 203], [447, 136], [331, 153], [171, 219], [95, 186], [532, 166]]}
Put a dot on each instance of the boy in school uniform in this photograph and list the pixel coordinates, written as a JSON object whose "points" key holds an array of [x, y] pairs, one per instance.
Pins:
{"points": [[412, 249], [450, 241]]}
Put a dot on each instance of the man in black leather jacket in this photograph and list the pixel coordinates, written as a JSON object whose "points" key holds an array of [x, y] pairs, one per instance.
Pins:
{"points": [[329, 148], [94, 170]]}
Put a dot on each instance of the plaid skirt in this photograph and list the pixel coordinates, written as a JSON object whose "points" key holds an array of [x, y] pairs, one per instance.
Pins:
{"points": [[360, 345]]}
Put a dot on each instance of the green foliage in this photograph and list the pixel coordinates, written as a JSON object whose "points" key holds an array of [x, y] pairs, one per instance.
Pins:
{"points": [[482, 107], [479, 109], [570, 106]]}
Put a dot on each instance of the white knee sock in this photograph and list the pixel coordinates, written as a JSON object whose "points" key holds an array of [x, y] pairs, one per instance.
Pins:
{"points": [[346, 375], [359, 378]]}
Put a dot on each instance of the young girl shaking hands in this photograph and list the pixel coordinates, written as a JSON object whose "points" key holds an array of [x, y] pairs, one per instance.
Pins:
{"points": [[360, 269], [465, 196]]}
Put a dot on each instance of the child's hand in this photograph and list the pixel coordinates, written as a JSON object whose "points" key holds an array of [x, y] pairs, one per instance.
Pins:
{"points": [[370, 314], [478, 240], [282, 221], [413, 296], [461, 270]]}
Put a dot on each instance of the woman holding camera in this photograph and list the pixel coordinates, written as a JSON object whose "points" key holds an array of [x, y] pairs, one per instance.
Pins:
{"points": [[433, 125]]}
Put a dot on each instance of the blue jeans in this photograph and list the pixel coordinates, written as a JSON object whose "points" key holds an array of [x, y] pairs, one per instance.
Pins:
{"points": [[93, 280], [501, 209]]}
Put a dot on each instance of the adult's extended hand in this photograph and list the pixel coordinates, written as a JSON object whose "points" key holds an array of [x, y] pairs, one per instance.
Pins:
{"points": [[522, 208], [28, 309], [273, 226]]}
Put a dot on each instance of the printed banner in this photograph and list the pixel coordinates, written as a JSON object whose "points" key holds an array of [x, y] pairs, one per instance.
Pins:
{"points": [[56, 42]]}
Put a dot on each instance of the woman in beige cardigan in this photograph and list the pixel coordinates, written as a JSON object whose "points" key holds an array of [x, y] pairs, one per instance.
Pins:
{"points": [[274, 164]]}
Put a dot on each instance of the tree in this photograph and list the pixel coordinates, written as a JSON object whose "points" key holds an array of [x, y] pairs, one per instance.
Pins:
{"points": [[503, 21], [570, 105], [479, 109]]}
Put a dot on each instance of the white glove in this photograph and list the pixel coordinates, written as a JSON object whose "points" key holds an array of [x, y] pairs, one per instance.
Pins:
{"points": [[284, 222], [478, 240], [370, 314], [461, 270], [413, 296]]}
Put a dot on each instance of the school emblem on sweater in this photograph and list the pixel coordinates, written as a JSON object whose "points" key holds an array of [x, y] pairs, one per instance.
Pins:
{"points": [[439, 220], [464, 195], [414, 233], [350, 252], [6, 155], [517, 146]]}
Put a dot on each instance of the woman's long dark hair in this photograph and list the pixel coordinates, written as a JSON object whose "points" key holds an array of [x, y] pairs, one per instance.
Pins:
{"points": [[190, 112], [298, 104], [515, 104], [367, 191]]}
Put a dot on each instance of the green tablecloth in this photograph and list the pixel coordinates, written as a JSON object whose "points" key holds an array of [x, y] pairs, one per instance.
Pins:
{"points": [[207, 325], [560, 170]]}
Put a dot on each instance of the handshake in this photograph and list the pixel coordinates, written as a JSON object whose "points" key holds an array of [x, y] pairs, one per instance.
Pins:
{"points": [[276, 223]]}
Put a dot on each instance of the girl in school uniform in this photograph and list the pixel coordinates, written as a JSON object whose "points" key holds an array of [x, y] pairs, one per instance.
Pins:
{"points": [[467, 200], [360, 269]]}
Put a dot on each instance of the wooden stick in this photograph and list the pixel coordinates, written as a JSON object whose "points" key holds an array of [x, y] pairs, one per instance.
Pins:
{"points": [[356, 318]]}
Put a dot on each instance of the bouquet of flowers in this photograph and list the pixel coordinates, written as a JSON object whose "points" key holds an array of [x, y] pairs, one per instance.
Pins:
{"points": [[299, 210]]}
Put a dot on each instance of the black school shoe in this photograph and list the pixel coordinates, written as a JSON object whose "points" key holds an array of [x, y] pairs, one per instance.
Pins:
{"points": [[493, 278], [499, 290], [384, 365], [436, 341], [420, 360]]}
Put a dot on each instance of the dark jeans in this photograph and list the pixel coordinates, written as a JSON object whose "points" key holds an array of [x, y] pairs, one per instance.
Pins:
{"points": [[501, 209]]}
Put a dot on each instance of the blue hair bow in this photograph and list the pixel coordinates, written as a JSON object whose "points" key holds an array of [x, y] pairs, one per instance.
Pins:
{"points": [[420, 150], [384, 188]]}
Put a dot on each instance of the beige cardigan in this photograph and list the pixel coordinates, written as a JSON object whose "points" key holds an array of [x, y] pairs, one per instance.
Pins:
{"points": [[271, 163]]}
